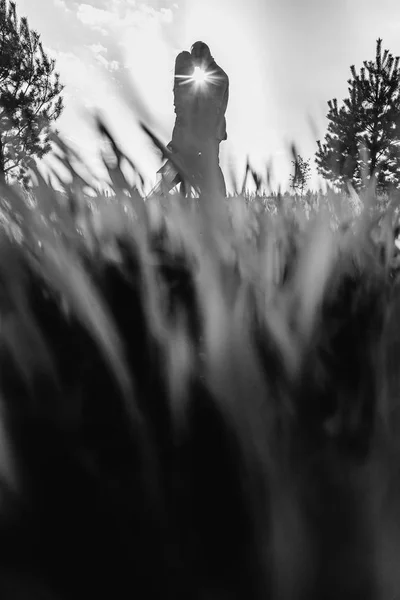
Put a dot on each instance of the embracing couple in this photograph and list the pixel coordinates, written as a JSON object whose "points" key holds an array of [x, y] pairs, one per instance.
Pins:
{"points": [[201, 92]]}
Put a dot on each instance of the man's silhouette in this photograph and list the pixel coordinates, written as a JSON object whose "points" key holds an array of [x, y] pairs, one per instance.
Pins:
{"points": [[208, 112]]}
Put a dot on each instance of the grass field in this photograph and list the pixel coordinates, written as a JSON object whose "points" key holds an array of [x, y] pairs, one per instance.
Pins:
{"points": [[200, 398]]}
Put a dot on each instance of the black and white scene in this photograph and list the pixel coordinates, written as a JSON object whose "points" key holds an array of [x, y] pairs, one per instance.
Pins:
{"points": [[199, 293]]}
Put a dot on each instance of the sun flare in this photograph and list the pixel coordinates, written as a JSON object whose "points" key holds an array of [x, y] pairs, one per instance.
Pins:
{"points": [[200, 76]]}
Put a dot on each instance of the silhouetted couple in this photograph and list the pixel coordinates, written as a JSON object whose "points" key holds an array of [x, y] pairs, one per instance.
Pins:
{"points": [[201, 92]]}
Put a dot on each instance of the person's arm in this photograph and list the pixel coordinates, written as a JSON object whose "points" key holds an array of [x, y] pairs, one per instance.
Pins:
{"points": [[221, 112], [225, 98], [177, 102], [181, 102]]}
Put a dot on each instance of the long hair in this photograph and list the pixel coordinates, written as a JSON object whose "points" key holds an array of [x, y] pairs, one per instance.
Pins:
{"points": [[183, 67], [183, 70]]}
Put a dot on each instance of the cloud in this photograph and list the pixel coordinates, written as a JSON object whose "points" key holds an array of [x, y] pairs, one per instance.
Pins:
{"points": [[61, 4], [96, 18], [121, 15], [110, 65], [99, 51]]}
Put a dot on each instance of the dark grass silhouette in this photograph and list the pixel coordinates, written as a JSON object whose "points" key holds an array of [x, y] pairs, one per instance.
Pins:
{"points": [[190, 411]]}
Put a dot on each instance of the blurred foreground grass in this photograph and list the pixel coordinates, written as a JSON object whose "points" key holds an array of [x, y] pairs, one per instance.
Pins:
{"points": [[200, 397]]}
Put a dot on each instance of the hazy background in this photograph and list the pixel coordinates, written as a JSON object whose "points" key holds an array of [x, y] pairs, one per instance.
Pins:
{"points": [[285, 60]]}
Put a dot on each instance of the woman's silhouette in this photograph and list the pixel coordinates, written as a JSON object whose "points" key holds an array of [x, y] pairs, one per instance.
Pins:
{"points": [[183, 99]]}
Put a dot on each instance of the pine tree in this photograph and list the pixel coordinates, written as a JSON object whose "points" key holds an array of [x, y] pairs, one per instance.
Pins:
{"points": [[364, 133], [29, 93], [301, 175]]}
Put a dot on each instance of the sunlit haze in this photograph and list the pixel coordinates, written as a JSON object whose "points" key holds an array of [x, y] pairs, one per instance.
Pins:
{"points": [[285, 60]]}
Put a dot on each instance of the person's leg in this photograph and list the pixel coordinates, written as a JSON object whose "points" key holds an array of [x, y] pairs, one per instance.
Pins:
{"points": [[221, 179], [214, 173], [185, 189]]}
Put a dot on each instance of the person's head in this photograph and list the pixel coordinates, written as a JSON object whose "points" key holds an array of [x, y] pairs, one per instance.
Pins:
{"points": [[201, 53], [184, 63]]}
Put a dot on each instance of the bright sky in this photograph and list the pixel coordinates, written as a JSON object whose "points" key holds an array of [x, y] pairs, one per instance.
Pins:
{"points": [[285, 60]]}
